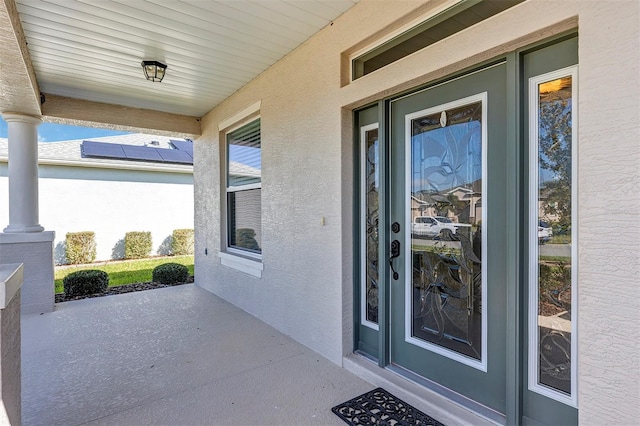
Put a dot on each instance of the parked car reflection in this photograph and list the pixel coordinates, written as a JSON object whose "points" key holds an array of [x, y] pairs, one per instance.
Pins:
{"points": [[545, 232]]}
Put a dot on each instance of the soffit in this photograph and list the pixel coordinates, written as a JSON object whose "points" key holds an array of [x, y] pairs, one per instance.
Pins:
{"points": [[91, 49]]}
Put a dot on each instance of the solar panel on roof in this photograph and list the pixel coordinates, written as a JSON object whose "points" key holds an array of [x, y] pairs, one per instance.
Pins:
{"points": [[186, 146], [141, 153], [102, 149], [137, 153], [175, 156]]}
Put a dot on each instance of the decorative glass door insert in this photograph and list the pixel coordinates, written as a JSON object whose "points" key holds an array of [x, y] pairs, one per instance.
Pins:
{"points": [[444, 180], [370, 208]]}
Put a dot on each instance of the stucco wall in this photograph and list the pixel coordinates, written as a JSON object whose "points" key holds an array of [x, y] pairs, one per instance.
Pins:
{"points": [[306, 286], [609, 197], [109, 203]]}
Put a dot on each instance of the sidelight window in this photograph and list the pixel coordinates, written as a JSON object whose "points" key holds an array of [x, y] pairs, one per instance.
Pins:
{"points": [[552, 235], [370, 208]]}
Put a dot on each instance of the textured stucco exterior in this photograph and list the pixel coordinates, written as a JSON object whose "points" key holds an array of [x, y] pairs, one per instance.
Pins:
{"points": [[609, 193], [307, 180]]}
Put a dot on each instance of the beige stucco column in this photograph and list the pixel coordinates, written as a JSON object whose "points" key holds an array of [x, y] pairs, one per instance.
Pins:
{"points": [[23, 173]]}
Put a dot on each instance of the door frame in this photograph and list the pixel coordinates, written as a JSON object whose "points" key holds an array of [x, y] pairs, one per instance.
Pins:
{"points": [[517, 257]]}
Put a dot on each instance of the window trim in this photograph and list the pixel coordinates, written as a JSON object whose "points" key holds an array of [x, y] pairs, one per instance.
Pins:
{"points": [[241, 263], [232, 257], [243, 187], [239, 119]]}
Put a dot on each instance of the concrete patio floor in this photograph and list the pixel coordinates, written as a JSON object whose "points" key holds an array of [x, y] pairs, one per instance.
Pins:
{"points": [[172, 356], [183, 356]]}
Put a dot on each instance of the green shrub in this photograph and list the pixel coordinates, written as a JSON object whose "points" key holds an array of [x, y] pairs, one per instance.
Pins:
{"points": [[170, 273], [182, 242], [137, 245], [80, 247], [86, 281]]}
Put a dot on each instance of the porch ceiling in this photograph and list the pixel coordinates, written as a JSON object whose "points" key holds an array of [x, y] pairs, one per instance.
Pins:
{"points": [[85, 55]]}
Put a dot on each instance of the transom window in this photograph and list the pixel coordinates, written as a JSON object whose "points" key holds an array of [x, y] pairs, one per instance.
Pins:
{"points": [[458, 17]]}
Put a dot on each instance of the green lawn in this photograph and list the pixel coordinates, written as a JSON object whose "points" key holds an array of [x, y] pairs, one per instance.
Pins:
{"points": [[560, 239], [124, 272]]}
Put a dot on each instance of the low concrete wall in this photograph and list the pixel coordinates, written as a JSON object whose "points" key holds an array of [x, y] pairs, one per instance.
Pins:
{"points": [[11, 277]]}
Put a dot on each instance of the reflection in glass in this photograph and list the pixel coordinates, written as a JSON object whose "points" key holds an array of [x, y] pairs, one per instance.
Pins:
{"points": [[446, 213], [244, 179], [371, 214], [244, 220], [243, 149], [554, 227]]}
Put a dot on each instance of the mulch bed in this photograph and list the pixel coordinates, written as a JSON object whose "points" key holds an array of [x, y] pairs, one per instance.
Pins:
{"points": [[128, 288]]}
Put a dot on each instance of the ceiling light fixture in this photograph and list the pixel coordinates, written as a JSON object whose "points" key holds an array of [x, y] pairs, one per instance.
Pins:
{"points": [[154, 70]]}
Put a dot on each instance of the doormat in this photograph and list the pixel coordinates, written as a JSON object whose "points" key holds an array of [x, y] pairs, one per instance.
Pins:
{"points": [[379, 407]]}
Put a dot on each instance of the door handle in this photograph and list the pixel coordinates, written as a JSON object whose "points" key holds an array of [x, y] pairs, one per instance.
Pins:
{"points": [[393, 253]]}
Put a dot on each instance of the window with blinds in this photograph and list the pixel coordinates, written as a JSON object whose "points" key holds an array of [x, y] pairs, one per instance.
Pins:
{"points": [[244, 189]]}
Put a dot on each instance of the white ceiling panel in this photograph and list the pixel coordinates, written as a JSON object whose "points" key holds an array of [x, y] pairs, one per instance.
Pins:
{"points": [[92, 49]]}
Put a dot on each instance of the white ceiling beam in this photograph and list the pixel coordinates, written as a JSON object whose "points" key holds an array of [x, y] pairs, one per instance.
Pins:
{"points": [[62, 110], [19, 90]]}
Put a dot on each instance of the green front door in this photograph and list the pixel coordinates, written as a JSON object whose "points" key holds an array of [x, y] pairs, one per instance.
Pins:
{"points": [[448, 282]]}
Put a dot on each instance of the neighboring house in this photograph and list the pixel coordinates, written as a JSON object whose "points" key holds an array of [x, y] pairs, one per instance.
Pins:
{"points": [[109, 196]]}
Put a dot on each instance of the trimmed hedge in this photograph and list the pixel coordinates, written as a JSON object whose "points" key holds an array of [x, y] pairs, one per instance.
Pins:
{"points": [[86, 281], [170, 273], [182, 242], [137, 245], [80, 247]]}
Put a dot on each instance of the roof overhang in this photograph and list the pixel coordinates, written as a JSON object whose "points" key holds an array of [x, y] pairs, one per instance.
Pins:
{"points": [[78, 63]]}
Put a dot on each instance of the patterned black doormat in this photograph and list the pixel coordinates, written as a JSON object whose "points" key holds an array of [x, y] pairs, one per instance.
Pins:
{"points": [[379, 407]]}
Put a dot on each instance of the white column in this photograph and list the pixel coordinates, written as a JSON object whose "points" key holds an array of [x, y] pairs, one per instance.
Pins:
{"points": [[23, 173]]}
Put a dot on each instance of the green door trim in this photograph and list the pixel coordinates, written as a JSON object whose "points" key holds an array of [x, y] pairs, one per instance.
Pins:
{"points": [[545, 57], [365, 337], [516, 255], [515, 157], [383, 250]]}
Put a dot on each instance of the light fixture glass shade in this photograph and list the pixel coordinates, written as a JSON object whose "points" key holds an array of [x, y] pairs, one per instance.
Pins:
{"points": [[154, 70]]}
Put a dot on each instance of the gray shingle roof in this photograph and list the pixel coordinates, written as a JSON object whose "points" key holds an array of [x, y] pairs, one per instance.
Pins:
{"points": [[68, 152]]}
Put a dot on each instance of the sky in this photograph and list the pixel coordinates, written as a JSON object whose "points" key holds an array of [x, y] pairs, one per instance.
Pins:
{"points": [[49, 132]]}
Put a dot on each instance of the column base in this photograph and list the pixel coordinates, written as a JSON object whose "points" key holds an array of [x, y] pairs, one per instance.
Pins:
{"points": [[12, 229], [35, 251]]}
